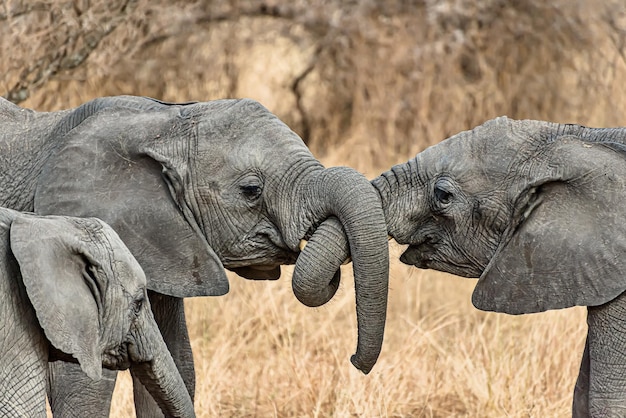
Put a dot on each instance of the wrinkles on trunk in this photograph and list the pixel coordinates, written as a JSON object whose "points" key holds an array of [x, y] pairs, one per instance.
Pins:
{"points": [[331, 244], [167, 392], [154, 366], [347, 195], [606, 341], [399, 189]]}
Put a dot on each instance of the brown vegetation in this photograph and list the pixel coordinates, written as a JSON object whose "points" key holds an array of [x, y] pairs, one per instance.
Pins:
{"points": [[367, 84]]}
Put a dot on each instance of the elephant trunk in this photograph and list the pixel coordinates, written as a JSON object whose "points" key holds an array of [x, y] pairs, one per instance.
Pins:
{"points": [[347, 195], [390, 185], [328, 243], [157, 370]]}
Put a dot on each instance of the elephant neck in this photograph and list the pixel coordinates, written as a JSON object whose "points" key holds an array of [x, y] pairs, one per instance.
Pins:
{"points": [[26, 141]]}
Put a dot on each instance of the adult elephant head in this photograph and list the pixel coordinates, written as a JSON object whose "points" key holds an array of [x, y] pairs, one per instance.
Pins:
{"points": [[72, 290], [537, 212], [192, 189], [196, 188]]}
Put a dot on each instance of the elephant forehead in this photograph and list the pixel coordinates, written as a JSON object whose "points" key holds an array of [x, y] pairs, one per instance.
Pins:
{"points": [[237, 157], [490, 146], [245, 122], [451, 156], [124, 267]]}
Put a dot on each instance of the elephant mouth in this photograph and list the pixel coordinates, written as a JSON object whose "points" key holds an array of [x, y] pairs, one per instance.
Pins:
{"points": [[425, 256], [418, 256], [117, 358], [267, 266], [272, 271]]}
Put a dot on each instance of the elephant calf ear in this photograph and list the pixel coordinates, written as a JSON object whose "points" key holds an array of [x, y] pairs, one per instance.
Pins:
{"points": [[52, 272], [570, 250]]}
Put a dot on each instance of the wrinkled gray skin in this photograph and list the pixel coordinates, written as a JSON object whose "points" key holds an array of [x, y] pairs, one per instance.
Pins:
{"points": [[537, 212], [70, 289], [193, 189]]}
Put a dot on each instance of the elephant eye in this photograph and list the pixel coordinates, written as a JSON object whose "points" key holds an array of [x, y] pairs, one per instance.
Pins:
{"points": [[251, 191], [251, 187], [442, 195], [138, 304]]}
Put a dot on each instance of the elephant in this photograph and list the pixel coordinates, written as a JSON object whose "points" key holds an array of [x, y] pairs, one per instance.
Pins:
{"points": [[537, 212], [194, 189], [72, 291]]}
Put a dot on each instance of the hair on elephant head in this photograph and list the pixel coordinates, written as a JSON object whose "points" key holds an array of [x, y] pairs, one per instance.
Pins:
{"points": [[71, 289], [535, 210], [197, 188]]}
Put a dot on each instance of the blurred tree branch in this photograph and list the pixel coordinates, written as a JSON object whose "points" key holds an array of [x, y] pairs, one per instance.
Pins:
{"points": [[61, 36]]}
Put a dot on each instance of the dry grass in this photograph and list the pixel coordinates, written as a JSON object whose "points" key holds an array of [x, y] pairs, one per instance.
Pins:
{"points": [[259, 353]]}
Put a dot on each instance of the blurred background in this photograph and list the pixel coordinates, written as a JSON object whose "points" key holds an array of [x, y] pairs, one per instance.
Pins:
{"points": [[366, 84]]}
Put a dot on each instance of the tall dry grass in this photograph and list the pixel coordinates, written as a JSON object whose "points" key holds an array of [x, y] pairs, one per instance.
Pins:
{"points": [[259, 353]]}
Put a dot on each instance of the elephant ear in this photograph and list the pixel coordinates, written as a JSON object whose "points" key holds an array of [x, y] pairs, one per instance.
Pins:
{"points": [[55, 265], [130, 169], [568, 247]]}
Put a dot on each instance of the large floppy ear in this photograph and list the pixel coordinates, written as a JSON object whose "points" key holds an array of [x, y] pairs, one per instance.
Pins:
{"points": [[55, 269], [568, 246], [130, 169]]}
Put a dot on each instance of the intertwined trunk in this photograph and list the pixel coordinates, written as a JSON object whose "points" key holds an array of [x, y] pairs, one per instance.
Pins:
{"points": [[347, 195]]}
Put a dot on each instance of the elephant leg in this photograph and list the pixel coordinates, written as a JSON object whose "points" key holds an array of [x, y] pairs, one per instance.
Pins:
{"points": [[607, 358], [169, 314], [580, 405], [72, 393]]}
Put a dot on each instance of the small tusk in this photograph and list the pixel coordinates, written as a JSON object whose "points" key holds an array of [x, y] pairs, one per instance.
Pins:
{"points": [[348, 260], [389, 237]]}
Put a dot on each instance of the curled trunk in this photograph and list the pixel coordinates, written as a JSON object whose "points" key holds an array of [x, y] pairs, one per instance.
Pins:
{"points": [[329, 243], [347, 195]]}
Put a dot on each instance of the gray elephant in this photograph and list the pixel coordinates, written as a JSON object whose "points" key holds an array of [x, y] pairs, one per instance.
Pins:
{"points": [[537, 212], [71, 290], [192, 189]]}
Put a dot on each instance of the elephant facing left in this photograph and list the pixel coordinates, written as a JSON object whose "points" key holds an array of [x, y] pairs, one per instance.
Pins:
{"points": [[72, 291], [536, 211]]}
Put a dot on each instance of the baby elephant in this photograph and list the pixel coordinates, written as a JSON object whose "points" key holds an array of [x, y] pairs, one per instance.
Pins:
{"points": [[71, 290], [537, 212]]}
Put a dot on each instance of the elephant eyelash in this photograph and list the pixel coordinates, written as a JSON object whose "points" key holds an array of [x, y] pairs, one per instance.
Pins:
{"points": [[251, 192], [138, 304], [442, 190], [443, 196]]}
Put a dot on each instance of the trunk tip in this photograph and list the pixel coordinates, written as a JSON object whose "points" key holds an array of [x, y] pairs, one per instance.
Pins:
{"points": [[359, 364]]}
